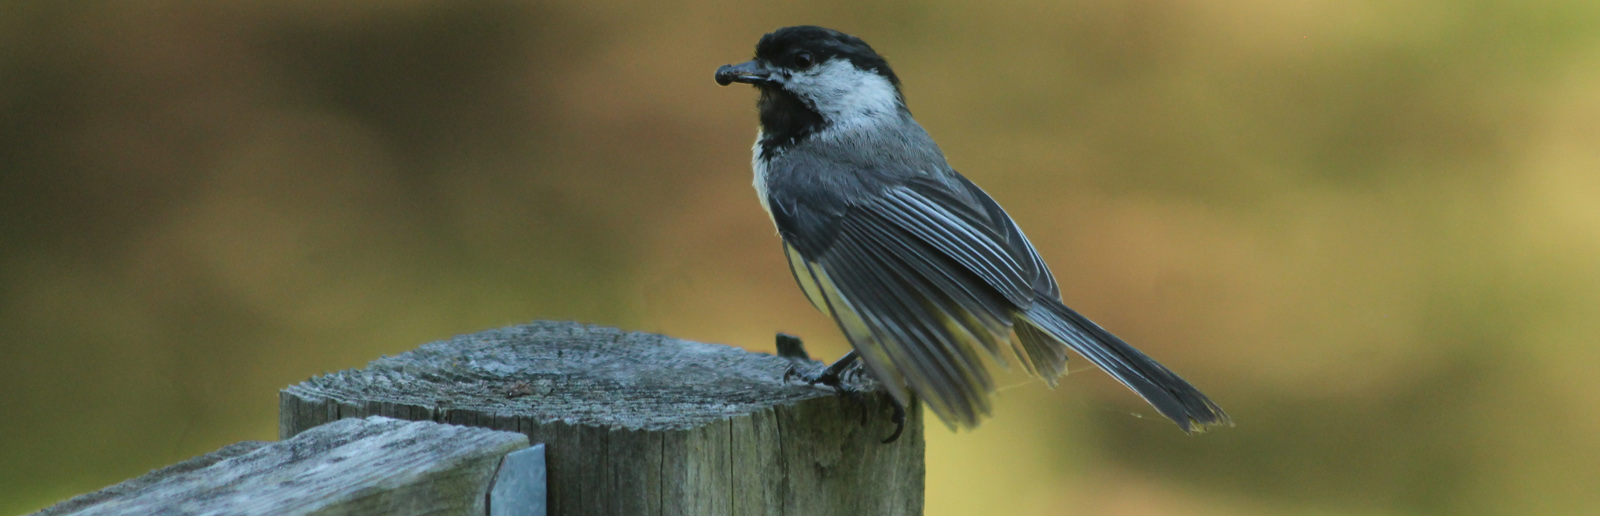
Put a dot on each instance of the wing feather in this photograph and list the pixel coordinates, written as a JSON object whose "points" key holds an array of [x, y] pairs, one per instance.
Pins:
{"points": [[1043, 282], [911, 335], [973, 246]]}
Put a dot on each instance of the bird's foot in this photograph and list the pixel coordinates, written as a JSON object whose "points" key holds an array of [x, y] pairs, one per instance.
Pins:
{"points": [[791, 347], [831, 376]]}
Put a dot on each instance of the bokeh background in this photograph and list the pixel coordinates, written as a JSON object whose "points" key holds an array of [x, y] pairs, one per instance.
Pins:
{"points": [[1370, 229]]}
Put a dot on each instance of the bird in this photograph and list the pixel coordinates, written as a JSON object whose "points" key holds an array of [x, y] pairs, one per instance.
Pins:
{"points": [[922, 271]]}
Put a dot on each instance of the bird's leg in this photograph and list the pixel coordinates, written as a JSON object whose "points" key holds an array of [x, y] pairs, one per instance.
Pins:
{"points": [[790, 346], [831, 376]]}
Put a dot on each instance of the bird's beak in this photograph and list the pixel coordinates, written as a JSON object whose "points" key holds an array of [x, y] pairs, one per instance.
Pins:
{"points": [[749, 72]]}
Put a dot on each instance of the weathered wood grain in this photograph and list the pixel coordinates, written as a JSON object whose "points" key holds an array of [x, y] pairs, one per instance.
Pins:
{"points": [[357, 466], [641, 424]]}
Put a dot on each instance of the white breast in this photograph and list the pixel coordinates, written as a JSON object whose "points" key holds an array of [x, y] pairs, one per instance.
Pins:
{"points": [[760, 182]]}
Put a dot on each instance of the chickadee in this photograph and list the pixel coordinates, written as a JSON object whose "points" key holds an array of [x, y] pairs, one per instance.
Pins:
{"points": [[922, 271]]}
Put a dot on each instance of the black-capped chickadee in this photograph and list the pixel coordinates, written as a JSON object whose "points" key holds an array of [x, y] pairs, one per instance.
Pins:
{"points": [[919, 267]]}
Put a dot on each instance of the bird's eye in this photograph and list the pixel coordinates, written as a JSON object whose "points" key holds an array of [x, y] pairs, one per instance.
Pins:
{"points": [[803, 60]]}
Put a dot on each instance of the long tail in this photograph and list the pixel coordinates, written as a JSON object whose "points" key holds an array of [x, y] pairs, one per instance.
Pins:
{"points": [[1168, 393]]}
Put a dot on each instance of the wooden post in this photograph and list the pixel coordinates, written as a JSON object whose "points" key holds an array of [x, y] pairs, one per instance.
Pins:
{"points": [[352, 467], [641, 424]]}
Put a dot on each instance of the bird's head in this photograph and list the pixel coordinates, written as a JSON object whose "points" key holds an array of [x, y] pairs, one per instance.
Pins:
{"points": [[812, 77]]}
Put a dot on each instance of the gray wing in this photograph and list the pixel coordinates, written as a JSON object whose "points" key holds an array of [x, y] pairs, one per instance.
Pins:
{"points": [[980, 210], [919, 277]]}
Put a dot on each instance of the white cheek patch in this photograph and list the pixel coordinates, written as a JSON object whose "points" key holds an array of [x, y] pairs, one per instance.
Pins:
{"points": [[843, 94]]}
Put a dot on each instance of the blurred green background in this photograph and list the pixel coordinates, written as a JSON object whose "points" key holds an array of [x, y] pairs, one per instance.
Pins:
{"points": [[1370, 229]]}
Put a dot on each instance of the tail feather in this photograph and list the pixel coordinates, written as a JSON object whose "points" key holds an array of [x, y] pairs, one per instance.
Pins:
{"points": [[1163, 389]]}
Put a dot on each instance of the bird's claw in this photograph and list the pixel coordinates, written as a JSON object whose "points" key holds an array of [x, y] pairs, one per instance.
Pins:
{"points": [[899, 419], [791, 347]]}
